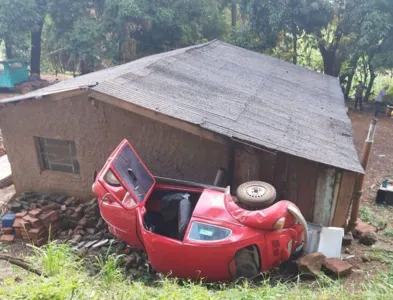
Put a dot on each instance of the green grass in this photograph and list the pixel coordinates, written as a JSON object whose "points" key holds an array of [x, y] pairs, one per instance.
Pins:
{"points": [[388, 232], [369, 216], [68, 279]]}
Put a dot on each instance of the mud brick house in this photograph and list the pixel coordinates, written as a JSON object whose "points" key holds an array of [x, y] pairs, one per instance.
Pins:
{"points": [[188, 113]]}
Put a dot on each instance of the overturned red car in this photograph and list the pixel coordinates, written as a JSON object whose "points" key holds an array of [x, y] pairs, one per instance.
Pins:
{"points": [[196, 231]]}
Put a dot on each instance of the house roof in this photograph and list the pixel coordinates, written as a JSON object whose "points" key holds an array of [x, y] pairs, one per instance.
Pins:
{"points": [[236, 93]]}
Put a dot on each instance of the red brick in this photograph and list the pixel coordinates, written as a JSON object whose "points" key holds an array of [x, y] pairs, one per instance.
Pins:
{"points": [[20, 214], [82, 222], [18, 233], [33, 221], [49, 217], [7, 238], [33, 206], [8, 230], [39, 242], [50, 206], [362, 228], [37, 233], [338, 267], [35, 212], [79, 209], [71, 201]]}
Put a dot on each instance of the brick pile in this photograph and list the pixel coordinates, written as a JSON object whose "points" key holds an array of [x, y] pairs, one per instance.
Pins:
{"points": [[37, 225], [41, 217]]}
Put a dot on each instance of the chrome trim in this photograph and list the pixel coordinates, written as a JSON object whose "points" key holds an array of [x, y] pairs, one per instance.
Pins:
{"points": [[298, 215]]}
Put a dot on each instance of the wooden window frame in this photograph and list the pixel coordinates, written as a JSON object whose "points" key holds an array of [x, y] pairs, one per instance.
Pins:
{"points": [[45, 157]]}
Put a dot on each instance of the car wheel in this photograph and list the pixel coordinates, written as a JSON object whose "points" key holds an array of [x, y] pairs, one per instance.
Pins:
{"points": [[256, 194], [246, 267]]}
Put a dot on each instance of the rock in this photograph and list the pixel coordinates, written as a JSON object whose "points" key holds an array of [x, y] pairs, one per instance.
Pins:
{"points": [[337, 267], [16, 207], [311, 263], [61, 199], [362, 228], [365, 258], [347, 239], [90, 230], [76, 239], [368, 238]]}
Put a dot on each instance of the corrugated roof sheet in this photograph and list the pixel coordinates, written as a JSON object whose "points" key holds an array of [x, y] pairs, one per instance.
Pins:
{"points": [[240, 94]]}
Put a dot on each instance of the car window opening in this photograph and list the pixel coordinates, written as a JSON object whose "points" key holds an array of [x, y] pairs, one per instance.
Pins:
{"points": [[169, 212]]}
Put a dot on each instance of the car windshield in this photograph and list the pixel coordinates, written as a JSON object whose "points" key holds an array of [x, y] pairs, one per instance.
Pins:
{"points": [[206, 232], [2, 69]]}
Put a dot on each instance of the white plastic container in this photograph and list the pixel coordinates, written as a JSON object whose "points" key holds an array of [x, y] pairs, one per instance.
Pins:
{"points": [[330, 241]]}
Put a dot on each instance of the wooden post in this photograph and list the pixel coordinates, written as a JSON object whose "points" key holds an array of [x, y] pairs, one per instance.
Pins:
{"points": [[359, 185]]}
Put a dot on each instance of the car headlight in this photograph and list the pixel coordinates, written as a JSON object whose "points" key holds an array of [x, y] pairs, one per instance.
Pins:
{"points": [[279, 224]]}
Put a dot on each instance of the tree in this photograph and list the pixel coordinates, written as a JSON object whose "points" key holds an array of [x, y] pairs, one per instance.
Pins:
{"points": [[274, 20], [17, 17]]}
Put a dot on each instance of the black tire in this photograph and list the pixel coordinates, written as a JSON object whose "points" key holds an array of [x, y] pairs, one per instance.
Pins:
{"points": [[245, 264], [256, 194]]}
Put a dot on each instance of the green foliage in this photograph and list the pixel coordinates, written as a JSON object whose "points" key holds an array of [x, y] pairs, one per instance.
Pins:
{"points": [[245, 37], [388, 232], [55, 257], [68, 280], [371, 217], [17, 18]]}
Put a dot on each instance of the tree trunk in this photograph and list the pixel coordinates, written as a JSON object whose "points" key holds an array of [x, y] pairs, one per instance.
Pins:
{"points": [[329, 62], [349, 85], [294, 59], [370, 84], [8, 49], [234, 14], [35, 55]]}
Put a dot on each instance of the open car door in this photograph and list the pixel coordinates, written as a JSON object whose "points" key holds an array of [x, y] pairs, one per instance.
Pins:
{"points": [[126, 184]]}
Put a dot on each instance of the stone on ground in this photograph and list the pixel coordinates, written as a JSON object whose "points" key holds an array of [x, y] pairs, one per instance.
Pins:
{"points": [[368, 238], [311, 263]]}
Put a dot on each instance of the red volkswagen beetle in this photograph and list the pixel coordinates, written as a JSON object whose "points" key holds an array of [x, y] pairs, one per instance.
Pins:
{"points": [[195, 231]]}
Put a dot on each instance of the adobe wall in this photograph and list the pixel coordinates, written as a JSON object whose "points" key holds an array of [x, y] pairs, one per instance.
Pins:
{"points": [[167, 151]]}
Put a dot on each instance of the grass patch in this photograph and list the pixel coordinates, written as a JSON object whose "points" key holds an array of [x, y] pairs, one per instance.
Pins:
{"points": [[68, 279], [369, 216], [388, 232]]}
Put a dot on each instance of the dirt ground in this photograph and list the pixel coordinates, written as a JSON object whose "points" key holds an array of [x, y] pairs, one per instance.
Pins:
{"points": [[381, 159]]}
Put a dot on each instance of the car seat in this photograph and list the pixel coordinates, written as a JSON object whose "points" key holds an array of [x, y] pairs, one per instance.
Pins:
{"points": [[177, 205]]}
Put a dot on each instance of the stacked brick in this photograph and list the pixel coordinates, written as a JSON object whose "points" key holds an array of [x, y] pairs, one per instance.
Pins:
{"points": [[38, 225], [40, 218]]}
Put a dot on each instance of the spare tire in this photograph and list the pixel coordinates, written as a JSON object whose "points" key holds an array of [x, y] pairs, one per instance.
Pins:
{"points": [[256, 194]]}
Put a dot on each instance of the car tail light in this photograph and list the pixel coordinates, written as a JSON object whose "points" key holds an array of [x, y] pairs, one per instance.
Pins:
{"points": [[279, 224]]}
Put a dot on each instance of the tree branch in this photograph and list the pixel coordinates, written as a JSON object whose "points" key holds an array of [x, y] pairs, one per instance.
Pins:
{"points": [[20, 263]]}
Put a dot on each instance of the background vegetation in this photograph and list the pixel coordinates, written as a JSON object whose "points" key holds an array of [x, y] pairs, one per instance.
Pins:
{"points": [[351, 39]]}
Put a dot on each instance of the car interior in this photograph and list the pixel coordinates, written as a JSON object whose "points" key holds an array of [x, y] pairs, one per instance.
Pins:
{"points": [[169, 212]]}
